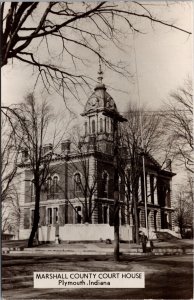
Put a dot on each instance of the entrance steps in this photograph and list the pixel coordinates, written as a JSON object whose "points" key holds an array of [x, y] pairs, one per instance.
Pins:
{"points": [[166, 236]]}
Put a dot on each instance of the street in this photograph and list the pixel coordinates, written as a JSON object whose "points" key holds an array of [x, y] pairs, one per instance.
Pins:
{"points": [[166, 277]]}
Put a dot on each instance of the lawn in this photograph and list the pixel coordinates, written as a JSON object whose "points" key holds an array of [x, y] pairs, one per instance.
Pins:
{"points": [[167, 277]]}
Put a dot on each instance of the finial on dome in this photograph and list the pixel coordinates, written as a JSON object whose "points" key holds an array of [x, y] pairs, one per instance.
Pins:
{"points": [[100, 73]]}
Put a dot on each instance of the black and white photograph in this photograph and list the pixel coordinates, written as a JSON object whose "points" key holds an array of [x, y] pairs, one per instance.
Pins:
{"points": [[97, 150]]}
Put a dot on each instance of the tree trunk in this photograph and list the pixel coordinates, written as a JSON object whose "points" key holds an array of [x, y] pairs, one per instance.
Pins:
{"points": [[36, 218], [181, 228], [90, 209], [116, 211], [136, 219], [116, 191]]}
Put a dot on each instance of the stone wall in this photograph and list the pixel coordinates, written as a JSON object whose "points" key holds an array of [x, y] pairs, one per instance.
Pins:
{"points": [[82, 232]]}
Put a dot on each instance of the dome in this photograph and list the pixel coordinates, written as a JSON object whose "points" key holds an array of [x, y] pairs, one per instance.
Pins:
{"points": [[99, 100]]}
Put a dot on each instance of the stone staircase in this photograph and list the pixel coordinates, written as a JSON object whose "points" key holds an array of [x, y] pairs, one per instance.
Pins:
{"points": [[164, 236]]}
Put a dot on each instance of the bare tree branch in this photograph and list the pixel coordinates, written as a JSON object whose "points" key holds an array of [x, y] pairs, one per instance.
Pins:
{"points": [[27, 26]]}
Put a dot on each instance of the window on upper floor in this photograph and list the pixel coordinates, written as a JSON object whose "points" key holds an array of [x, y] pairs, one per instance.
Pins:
{"points": [[32, 188], [52, 186], [108, 124], [86, 128], [55, 184], [49, 185], [101, 125], [93, 126], [77, 182]]}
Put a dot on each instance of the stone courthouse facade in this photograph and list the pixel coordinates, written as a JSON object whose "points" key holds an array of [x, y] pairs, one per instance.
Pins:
{"points": [[77, 200]]}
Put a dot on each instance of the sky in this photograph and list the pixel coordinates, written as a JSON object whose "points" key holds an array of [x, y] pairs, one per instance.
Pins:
{"points": [[159, 60]]}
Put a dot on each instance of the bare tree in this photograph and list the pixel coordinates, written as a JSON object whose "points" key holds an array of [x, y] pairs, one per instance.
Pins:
{"points": [[140, 125], [28, 28], [178, 123], [85, 177], [10, 150], [184, 207], [34, 118], [11, 212]]}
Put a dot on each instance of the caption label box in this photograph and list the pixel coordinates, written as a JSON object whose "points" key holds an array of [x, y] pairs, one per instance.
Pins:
{"points": [[89, 280]]}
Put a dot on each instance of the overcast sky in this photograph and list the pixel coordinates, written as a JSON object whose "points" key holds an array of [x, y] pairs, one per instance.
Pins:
{"points": [[163, 56]]}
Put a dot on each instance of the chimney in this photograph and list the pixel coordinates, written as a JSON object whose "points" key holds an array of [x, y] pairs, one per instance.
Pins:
{"points": [[24, 154], [65, 146], [168, 165], [47, 148]]}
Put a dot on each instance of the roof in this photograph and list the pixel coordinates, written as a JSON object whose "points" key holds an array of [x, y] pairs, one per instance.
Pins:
{"points": [[99, 101]]}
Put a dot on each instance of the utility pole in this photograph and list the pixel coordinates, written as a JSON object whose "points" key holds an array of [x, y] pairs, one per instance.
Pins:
{"points": [[116, 117], [142, 145]]}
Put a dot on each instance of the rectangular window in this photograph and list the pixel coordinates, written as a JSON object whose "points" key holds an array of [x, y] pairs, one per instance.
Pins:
{"points": [[122, 215], [105, 214], [31, 217], [78, 215], [49, 216], [152, 188], [55, 215], [55, 184]]}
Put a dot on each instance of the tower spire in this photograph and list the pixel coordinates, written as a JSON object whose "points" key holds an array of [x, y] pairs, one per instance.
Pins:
{"points": [[100, 73]]}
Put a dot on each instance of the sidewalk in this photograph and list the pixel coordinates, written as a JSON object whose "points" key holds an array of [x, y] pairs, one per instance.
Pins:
{"points": [[99, 248]]}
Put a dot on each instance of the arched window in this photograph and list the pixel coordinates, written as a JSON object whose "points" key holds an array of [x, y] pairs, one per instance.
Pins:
{"points": [[77, 182], [111, 126], [55, 184], [105, 184], [93, 126], [32, 188], [49, 185], [108, 124], [101, 125]]}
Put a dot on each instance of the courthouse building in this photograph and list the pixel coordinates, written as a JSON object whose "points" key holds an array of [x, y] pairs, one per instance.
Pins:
{"points": [[77, 200]]}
